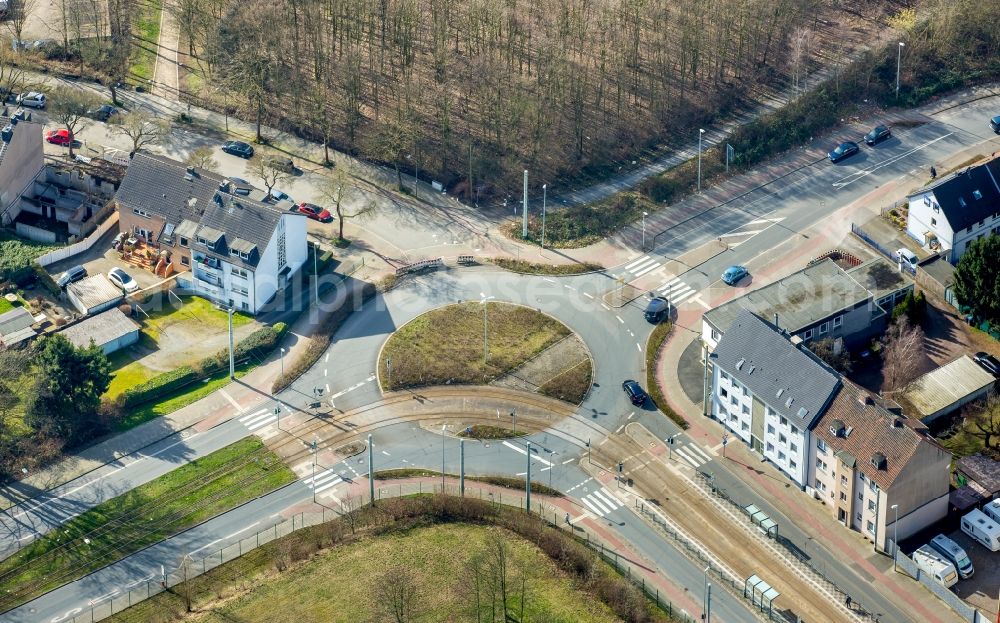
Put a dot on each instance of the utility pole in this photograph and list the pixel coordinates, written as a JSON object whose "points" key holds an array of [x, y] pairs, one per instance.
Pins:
{"points": [[232, 362], [461, 467], [316, 274], [443, 426], [388, 369], [527, 482], [371, 469], [704, 388], [524, 208], [701, 133], [899, 58], [644, 215], [895, 538], [544, 196], [313, 446]]}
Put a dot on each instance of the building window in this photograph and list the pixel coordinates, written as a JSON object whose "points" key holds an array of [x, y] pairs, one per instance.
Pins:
{"points": [[784, 422], [871, 505], [715, 335], [821, 465], [733, 418], [185, 261], [781, 456], [245, 306], [184, 242], [239, 290], [723, 375], [839, 320], [861, 495], [782, 439], [792, 465], [723, 393], [871, 526], [824, 328], [933, 222], [843, 496], [807, 335], [821, 445], [794, 431], [745, 427], [843, 481], [770, 429], [746, 410], [238, 272], [202, 241], [282, 258], [734, 401], [770, 447], [140, 212], [244, 256], [793, 447]]}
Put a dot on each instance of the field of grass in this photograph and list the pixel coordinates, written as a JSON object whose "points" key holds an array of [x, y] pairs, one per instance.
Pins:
{"points": [[127, 369], [145, 515], [196, 311], [147, 31], [570, 385], [446, 345], [179, 399], [5, 305]]}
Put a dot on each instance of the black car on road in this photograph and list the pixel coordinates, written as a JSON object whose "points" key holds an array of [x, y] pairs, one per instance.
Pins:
{"points": [[656, 310], [635, 394], [995, 124], [102, 113], [877, 135], [238, 148], [844, 150], [989, 363]]}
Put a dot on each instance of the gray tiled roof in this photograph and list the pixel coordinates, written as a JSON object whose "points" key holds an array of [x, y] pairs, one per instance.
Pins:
{"points": [[800, 299], [163, 187], [102, 328], [955, 194], [762, 358]]}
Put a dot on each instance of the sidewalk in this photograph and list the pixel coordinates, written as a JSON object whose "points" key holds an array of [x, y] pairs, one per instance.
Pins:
{"points": [[229, 401]]}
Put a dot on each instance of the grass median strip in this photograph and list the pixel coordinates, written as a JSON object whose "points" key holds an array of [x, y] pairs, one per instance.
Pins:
{"points": [[507, 482], [141, 517]]}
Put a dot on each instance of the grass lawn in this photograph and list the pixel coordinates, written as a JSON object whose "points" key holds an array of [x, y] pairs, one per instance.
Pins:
{"points": [[147, 30], [5, 305], [127, 369], [196, 310], [482, 431], [446, 345], [181, 398], [145, 515], [326, 588], [520, 266]]}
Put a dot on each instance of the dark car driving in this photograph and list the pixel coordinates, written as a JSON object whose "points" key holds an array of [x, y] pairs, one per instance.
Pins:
{"points": [[877, 135], [844, 150], [995, 124], [102, 113], [656, 310], [635, 394], [989, 363], [238, 148]]}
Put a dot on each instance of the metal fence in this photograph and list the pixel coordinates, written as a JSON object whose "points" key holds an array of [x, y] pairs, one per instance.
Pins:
{"points": [[120, 599], [954, 602], [890, 255]]}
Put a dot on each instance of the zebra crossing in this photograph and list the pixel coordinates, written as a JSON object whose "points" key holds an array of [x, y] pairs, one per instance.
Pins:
{"points": [[324, 480], [638, 268], [601, 502], [259, 419], [676, 291], [693, 455]]}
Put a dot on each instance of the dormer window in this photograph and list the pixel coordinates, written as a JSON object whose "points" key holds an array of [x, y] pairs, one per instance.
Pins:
{"points": [[961, 202], [244, 255], [878, 461], [977, 194]]}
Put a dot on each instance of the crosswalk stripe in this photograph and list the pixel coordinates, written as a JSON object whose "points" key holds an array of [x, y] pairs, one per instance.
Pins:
{"points": [[607, 497], [678, 290], [328, 478], [591, 507], [646, 269], [677, 300], [257, 420], [596, 502], [698, 451], [332, 483], [694, 461], [667, 285], [641, 260]]}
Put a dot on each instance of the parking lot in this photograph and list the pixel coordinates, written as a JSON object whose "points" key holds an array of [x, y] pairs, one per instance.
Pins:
{"points": [[981, 589], [101, 258]]}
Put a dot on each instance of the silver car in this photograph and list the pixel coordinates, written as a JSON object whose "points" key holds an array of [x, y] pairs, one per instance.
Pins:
{"points": [[122, 279], [32, 99]]}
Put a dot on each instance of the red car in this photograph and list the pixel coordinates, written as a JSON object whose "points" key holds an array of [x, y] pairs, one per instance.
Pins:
{"points": [[58, 137], [315, 212]]}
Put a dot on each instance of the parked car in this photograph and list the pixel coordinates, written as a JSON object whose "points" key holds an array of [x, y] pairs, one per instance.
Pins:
{"points": [[954, 553], [989, 363], [995, 124], [58, 137], [656, 309], [280, 195], [314, 212], [122, 279], [117, 242], [844, 150], [877, 135], [238, 148], [635, 393], [907, 257], [73, 274], [280, 163], [31, 99], [103, 113], [734, 274]]}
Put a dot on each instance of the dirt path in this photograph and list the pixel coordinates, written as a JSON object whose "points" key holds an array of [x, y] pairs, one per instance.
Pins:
{"points": [[166, 81]]}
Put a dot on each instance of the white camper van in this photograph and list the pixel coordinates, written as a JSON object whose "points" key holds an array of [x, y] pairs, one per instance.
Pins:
{"points": [[982, 529], [955, 555], [992, 510], [935, 565]]}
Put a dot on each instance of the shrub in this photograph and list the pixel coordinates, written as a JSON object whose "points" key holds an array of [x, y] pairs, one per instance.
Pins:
{"points": [[158, 386], [46, 280], [656, 339]]}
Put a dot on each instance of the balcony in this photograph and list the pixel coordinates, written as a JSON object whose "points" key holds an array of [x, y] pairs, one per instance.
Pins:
{"points": [[207, 276]]}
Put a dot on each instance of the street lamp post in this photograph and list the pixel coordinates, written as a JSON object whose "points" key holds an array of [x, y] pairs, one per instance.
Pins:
{"points": [[482, 301], [706, 606], [443, 426], [313, 481], [644, 215], [544, 197], [282, 364], [899, 58], [895, 542], [701, 133]]}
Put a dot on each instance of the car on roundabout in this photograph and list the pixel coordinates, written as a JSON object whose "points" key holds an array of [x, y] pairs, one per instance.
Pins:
{"points": [[734, 274]]}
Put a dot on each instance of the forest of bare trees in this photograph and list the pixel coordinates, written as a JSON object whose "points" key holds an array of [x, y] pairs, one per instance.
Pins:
{"points": [[485, 88]]}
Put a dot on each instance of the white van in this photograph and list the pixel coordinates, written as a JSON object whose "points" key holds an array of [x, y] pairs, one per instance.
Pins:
{"points": [[955, 554], [992, 510], [935, 565], [982, 529]]}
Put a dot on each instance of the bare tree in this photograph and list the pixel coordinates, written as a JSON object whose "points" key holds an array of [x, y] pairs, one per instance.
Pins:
{"points": [[496, 584], [17, 15], [340, 191], [142, 128], [203, 158], [116, 60], [395, 594], [801, 44], [903, 351], [985, 422], [268, 173], [826, 349], [69, 107]]}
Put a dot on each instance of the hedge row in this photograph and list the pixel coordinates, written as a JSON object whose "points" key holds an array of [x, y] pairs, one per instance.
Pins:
{"points": [[256, 346], [656, 339]]}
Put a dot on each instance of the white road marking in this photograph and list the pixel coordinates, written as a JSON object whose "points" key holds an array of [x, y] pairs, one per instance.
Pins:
{"points": [[857, 175], [568, 461], [258, 419], [630, 415], [595, 506], [638, 346], [601, 501], [324, 480], [328, 388], [606, 308], [569, 287], [327, 358], [386, 453], [325, 371], [619, 319], [646, 270], [548, 279], [525, 452], [228, 536], [641, 260], [588, 295], [577, 486], [619, 429], [235, 404]]}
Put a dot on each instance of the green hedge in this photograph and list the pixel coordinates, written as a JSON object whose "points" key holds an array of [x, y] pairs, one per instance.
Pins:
{"points": [[46, 280], [257, 346], [653, 344], [158, 386]]}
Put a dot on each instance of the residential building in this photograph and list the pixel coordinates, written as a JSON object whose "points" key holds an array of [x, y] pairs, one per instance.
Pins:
{"points": [[830, 437], [820, 301], [236, 250], [769, 393], [94, 294], [956, 209], [21, 158], [946, 389], [869, 459], [110, 330]]}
